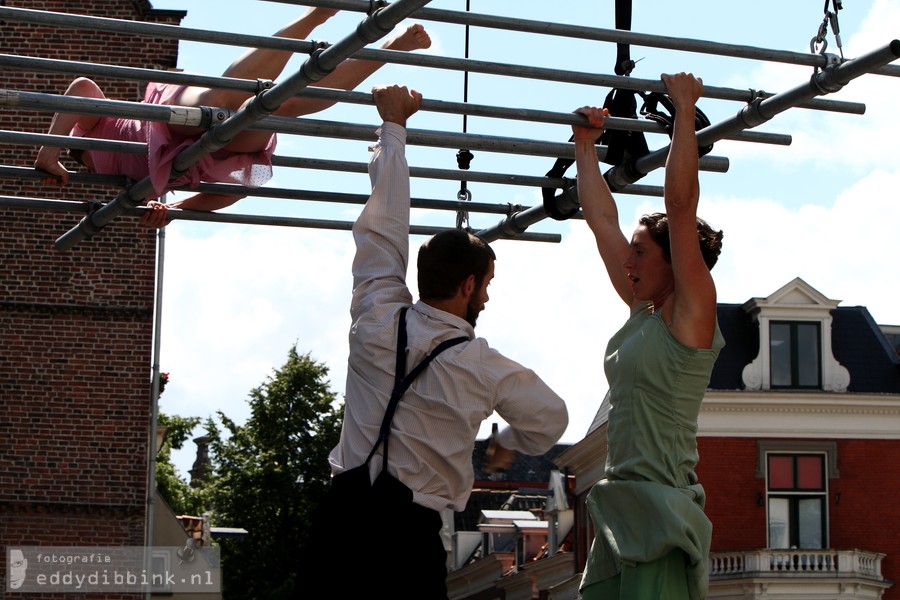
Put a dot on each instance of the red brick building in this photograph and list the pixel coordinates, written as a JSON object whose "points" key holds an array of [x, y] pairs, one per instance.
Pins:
{"points": [[799, 430], [76, 327]]}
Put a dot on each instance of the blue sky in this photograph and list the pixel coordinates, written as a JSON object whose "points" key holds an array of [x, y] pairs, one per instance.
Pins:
{"points": [[237, 298]]}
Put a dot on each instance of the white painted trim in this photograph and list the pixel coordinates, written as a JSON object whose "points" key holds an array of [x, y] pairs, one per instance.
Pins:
{"points": [[800, 415], [799, 302]]}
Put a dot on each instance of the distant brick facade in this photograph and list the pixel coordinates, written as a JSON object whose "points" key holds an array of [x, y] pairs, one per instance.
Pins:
{"points": [[862, 500], [75, 327]]}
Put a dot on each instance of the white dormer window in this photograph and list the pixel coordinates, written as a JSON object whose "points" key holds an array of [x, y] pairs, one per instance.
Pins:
{"points": [[794, 354], [794, 342]]}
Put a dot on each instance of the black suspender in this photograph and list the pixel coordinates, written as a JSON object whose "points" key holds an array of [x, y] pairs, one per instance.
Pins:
{"points": [[402, 381]]}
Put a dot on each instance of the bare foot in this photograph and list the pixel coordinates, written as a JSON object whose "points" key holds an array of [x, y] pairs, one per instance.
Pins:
{"points": [[413, 38]]}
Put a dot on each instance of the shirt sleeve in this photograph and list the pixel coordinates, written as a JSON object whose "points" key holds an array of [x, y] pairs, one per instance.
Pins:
{"points": [[381, 232], [536, 415]]}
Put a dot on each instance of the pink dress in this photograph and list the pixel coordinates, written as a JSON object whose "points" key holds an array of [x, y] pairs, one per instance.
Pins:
{"points": [[163, 145]]}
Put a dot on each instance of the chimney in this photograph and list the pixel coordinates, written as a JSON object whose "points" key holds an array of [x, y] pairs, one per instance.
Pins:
{"points": [[201, 468]]}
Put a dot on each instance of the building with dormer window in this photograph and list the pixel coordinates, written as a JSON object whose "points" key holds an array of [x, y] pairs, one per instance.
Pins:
{"points": [[799, 435]]}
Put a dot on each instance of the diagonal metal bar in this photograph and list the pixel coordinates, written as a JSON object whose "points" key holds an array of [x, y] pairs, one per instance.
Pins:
{"points": [[829, 80], [319, 64]]}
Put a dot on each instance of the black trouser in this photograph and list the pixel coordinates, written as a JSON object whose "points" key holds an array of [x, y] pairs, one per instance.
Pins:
{"points": [[374, 542]]}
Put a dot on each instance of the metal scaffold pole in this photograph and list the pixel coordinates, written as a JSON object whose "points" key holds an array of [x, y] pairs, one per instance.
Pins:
{"points": [[319, 64], [207, 116], [351, 97], [618, 36], [503, 69], [222, 125], [215, 217], [825, 81]]}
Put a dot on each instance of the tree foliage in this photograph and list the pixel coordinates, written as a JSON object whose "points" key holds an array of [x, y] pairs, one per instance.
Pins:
{"points": [[269, 474], [180, 496]]}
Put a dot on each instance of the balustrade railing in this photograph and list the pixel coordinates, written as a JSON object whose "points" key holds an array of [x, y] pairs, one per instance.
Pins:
{"points": [[771, 561]]}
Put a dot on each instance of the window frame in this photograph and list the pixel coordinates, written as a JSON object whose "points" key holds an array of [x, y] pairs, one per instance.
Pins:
{"points": [[828, 450], [795, 355], [795, 497]]}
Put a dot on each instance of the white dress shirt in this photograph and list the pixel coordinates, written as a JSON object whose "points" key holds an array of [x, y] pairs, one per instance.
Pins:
{"points": [[435, 425]]}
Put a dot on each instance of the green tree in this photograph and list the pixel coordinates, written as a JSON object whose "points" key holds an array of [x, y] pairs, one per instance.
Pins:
{"points": [[180, 496], [269, 474]]}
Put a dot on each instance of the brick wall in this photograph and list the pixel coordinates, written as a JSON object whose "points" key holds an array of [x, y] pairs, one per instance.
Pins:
{"points": [[861, 501], [862, 505], [726, 470], [76, 326]]}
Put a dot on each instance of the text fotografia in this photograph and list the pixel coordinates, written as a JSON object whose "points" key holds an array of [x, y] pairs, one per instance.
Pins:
{"points": [[158, 569], [69, 559]]}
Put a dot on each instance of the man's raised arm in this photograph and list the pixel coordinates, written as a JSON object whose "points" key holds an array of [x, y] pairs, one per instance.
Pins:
{"points": [[381, 232]]}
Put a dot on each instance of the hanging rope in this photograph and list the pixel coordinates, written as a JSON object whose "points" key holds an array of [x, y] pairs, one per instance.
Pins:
{"points": [[464, 157]]}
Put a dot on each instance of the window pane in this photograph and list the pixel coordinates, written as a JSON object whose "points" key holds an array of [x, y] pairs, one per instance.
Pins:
{"points": [[810, 525], [808, 354], [781, 472], [780, 353], [810, 472], [778, 523]]}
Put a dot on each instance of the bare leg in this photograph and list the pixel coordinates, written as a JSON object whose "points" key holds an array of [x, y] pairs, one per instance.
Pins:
{"points": [[346, 76], [256, 63], [352, 72]]}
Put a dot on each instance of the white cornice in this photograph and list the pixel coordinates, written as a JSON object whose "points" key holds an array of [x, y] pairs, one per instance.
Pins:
{"points": [[800, 415]]}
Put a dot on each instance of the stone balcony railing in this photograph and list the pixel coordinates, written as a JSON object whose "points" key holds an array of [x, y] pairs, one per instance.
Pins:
{"points": [[768, 562]]}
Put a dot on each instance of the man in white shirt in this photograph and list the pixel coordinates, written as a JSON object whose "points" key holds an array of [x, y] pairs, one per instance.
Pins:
{"points": [[398, 552]]}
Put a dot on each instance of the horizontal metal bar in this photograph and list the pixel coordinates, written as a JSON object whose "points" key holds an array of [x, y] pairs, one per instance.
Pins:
{"points": [[214, 217], [603, 35], [157, 30], [456, 175], [440, 139], [318, 128], [535, 116], [598, 79], [424, 60], [64, 141], [28, 174], [180, 115], [350, 97], [829, 80]]}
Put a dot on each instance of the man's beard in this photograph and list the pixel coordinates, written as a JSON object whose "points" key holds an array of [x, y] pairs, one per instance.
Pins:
{"points": [[472, 311]]}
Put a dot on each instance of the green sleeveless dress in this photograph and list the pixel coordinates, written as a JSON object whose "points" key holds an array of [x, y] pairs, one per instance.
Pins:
{"points": [[648, 512]]}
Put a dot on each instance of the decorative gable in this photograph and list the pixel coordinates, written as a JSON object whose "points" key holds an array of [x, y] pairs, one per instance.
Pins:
{"points": [[796, 304]]}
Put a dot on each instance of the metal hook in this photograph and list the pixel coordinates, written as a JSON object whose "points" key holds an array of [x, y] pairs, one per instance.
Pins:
{"points": [[462, 216], [818, 40]]}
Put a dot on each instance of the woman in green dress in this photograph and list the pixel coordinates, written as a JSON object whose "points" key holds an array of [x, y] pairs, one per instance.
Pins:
{"points": [[652, 537]]}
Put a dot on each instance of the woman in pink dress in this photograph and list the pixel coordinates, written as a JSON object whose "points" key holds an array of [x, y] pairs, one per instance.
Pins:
{"points": [[245, 160]]}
